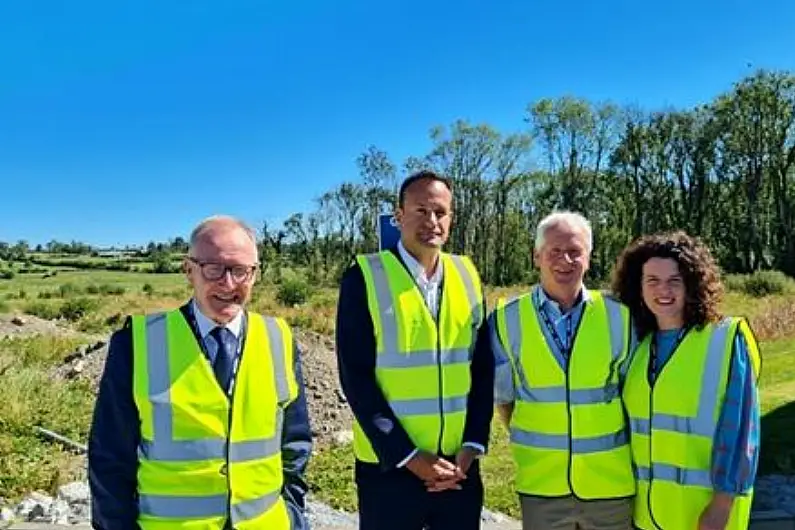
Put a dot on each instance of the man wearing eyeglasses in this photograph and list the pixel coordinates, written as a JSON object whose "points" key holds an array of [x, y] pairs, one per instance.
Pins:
{"points": [[201, 418]]}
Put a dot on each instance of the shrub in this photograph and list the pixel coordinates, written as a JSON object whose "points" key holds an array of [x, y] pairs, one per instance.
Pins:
{"points": [[42, 310], [75, 309], [107, 288], [764, 283], [147, 289], [66, 290], [292, 291], [7, 274]]}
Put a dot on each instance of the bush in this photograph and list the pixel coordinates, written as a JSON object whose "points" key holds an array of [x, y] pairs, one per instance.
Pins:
{"points": [[763, 283], [7, 274], [760, 283], [42, 310], [105, 288], [147, 289], [74, 310], [292, 291], [66, 290]]}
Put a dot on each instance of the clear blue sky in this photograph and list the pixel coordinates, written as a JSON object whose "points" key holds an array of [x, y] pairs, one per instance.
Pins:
{"points": [[123, 122]]}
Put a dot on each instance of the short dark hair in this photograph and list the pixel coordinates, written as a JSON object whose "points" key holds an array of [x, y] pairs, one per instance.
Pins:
{"points": [[420, 175], [700, 272]]}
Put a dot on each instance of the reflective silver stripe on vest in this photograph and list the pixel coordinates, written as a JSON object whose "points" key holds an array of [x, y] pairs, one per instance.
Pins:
{"points": [[576, 396], [198, 506], [560, 394], [617, 333], [393, 357], [561, 441], [418, 407], [682, 476], [416, 359], [250, 509], [163, 446], [469, 286], [703, 424], [276, 340], [183, 507]]}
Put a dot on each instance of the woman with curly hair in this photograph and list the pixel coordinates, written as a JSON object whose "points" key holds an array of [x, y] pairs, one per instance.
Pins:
{"points": [[690, 390]]}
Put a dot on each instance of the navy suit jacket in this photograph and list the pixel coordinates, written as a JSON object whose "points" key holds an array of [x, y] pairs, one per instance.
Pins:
{"points": [[115, 434], [356, 353]]}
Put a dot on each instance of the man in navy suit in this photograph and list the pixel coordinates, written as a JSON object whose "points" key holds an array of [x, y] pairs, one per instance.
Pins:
{"points": [[403, 482], [221, 267]]}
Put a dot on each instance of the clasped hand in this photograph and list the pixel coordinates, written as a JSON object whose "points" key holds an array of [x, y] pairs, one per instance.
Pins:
{"points": [[439, 474]]}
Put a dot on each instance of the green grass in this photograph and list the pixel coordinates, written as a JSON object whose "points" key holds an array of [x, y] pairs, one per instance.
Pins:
{"points": [[29, 398]]}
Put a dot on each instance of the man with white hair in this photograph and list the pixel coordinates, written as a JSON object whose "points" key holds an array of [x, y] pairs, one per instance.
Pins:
{"points": [[560, 351], [201, 418]]}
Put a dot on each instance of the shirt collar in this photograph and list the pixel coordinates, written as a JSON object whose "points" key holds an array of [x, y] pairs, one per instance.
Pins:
{"points": [[544, 298], [206, 325], [416, 268]]}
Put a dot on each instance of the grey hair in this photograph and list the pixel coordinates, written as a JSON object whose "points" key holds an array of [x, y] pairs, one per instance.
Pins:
{"points": [[206, 223], [572, 219]]}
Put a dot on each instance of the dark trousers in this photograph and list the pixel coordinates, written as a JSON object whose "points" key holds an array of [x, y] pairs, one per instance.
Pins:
{"points": [[398, 500]]}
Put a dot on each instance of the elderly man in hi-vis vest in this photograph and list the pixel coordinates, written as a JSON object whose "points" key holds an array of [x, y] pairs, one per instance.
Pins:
{"points": [[201, 418], [561, 351]]}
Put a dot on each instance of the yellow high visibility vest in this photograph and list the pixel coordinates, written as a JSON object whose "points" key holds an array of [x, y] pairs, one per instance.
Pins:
{"points": [[422, 367], [568, 434], [673, 426], [204, 457]]}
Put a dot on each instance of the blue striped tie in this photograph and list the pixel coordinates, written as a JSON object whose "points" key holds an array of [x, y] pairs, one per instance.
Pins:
{"points": [[224, 360]]}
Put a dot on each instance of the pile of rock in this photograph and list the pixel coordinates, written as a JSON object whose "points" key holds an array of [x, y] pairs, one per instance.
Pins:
{"points": [[71, 505]]}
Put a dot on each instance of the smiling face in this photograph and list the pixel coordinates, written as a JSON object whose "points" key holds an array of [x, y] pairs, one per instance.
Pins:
{"points": [[664, 292], [221, 244], [563, 260], [425, 216]]}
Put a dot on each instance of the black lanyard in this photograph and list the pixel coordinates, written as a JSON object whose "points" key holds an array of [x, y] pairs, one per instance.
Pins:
{"points": [[565, 350]]}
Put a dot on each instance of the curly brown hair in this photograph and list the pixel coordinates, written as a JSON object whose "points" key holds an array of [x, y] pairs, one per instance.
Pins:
{"points": [[700, 272]]}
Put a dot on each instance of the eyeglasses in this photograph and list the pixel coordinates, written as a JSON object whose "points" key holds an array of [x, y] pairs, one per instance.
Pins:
{"points": [[212, 272]]}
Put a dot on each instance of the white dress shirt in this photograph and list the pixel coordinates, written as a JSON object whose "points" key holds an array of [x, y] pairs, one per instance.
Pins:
{"points": [[430, 289], [206, 325]]}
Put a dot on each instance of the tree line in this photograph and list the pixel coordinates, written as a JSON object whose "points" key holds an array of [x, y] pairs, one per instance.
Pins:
{"points": [[723, 170]]}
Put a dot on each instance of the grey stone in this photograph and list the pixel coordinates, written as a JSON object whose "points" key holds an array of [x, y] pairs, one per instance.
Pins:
{"points": [[35, 507], [7, 517], [343, 437]]}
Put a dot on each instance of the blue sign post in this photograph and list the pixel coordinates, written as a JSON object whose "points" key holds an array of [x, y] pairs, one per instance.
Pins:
{"points": [[388, 231]]}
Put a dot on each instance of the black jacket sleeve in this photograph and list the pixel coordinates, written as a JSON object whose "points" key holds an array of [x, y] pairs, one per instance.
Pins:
{"points": [[356, 351], [480, 402], [113, 441], [296, 450]]}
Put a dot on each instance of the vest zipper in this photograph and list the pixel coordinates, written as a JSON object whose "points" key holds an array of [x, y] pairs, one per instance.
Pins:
{"points": [[569, 360], [227, 466], [651, 456], [441, 389]]}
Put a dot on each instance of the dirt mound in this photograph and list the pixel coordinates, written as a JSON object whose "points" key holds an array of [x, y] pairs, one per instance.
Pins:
{"points": [[19, 325], [329, 414]]}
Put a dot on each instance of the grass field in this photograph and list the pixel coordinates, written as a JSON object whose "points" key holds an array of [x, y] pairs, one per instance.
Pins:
{"points": [[96, 300]]}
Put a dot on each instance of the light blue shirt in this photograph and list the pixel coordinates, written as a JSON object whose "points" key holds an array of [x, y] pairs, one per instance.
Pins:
{"points": [[504, 389]]}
